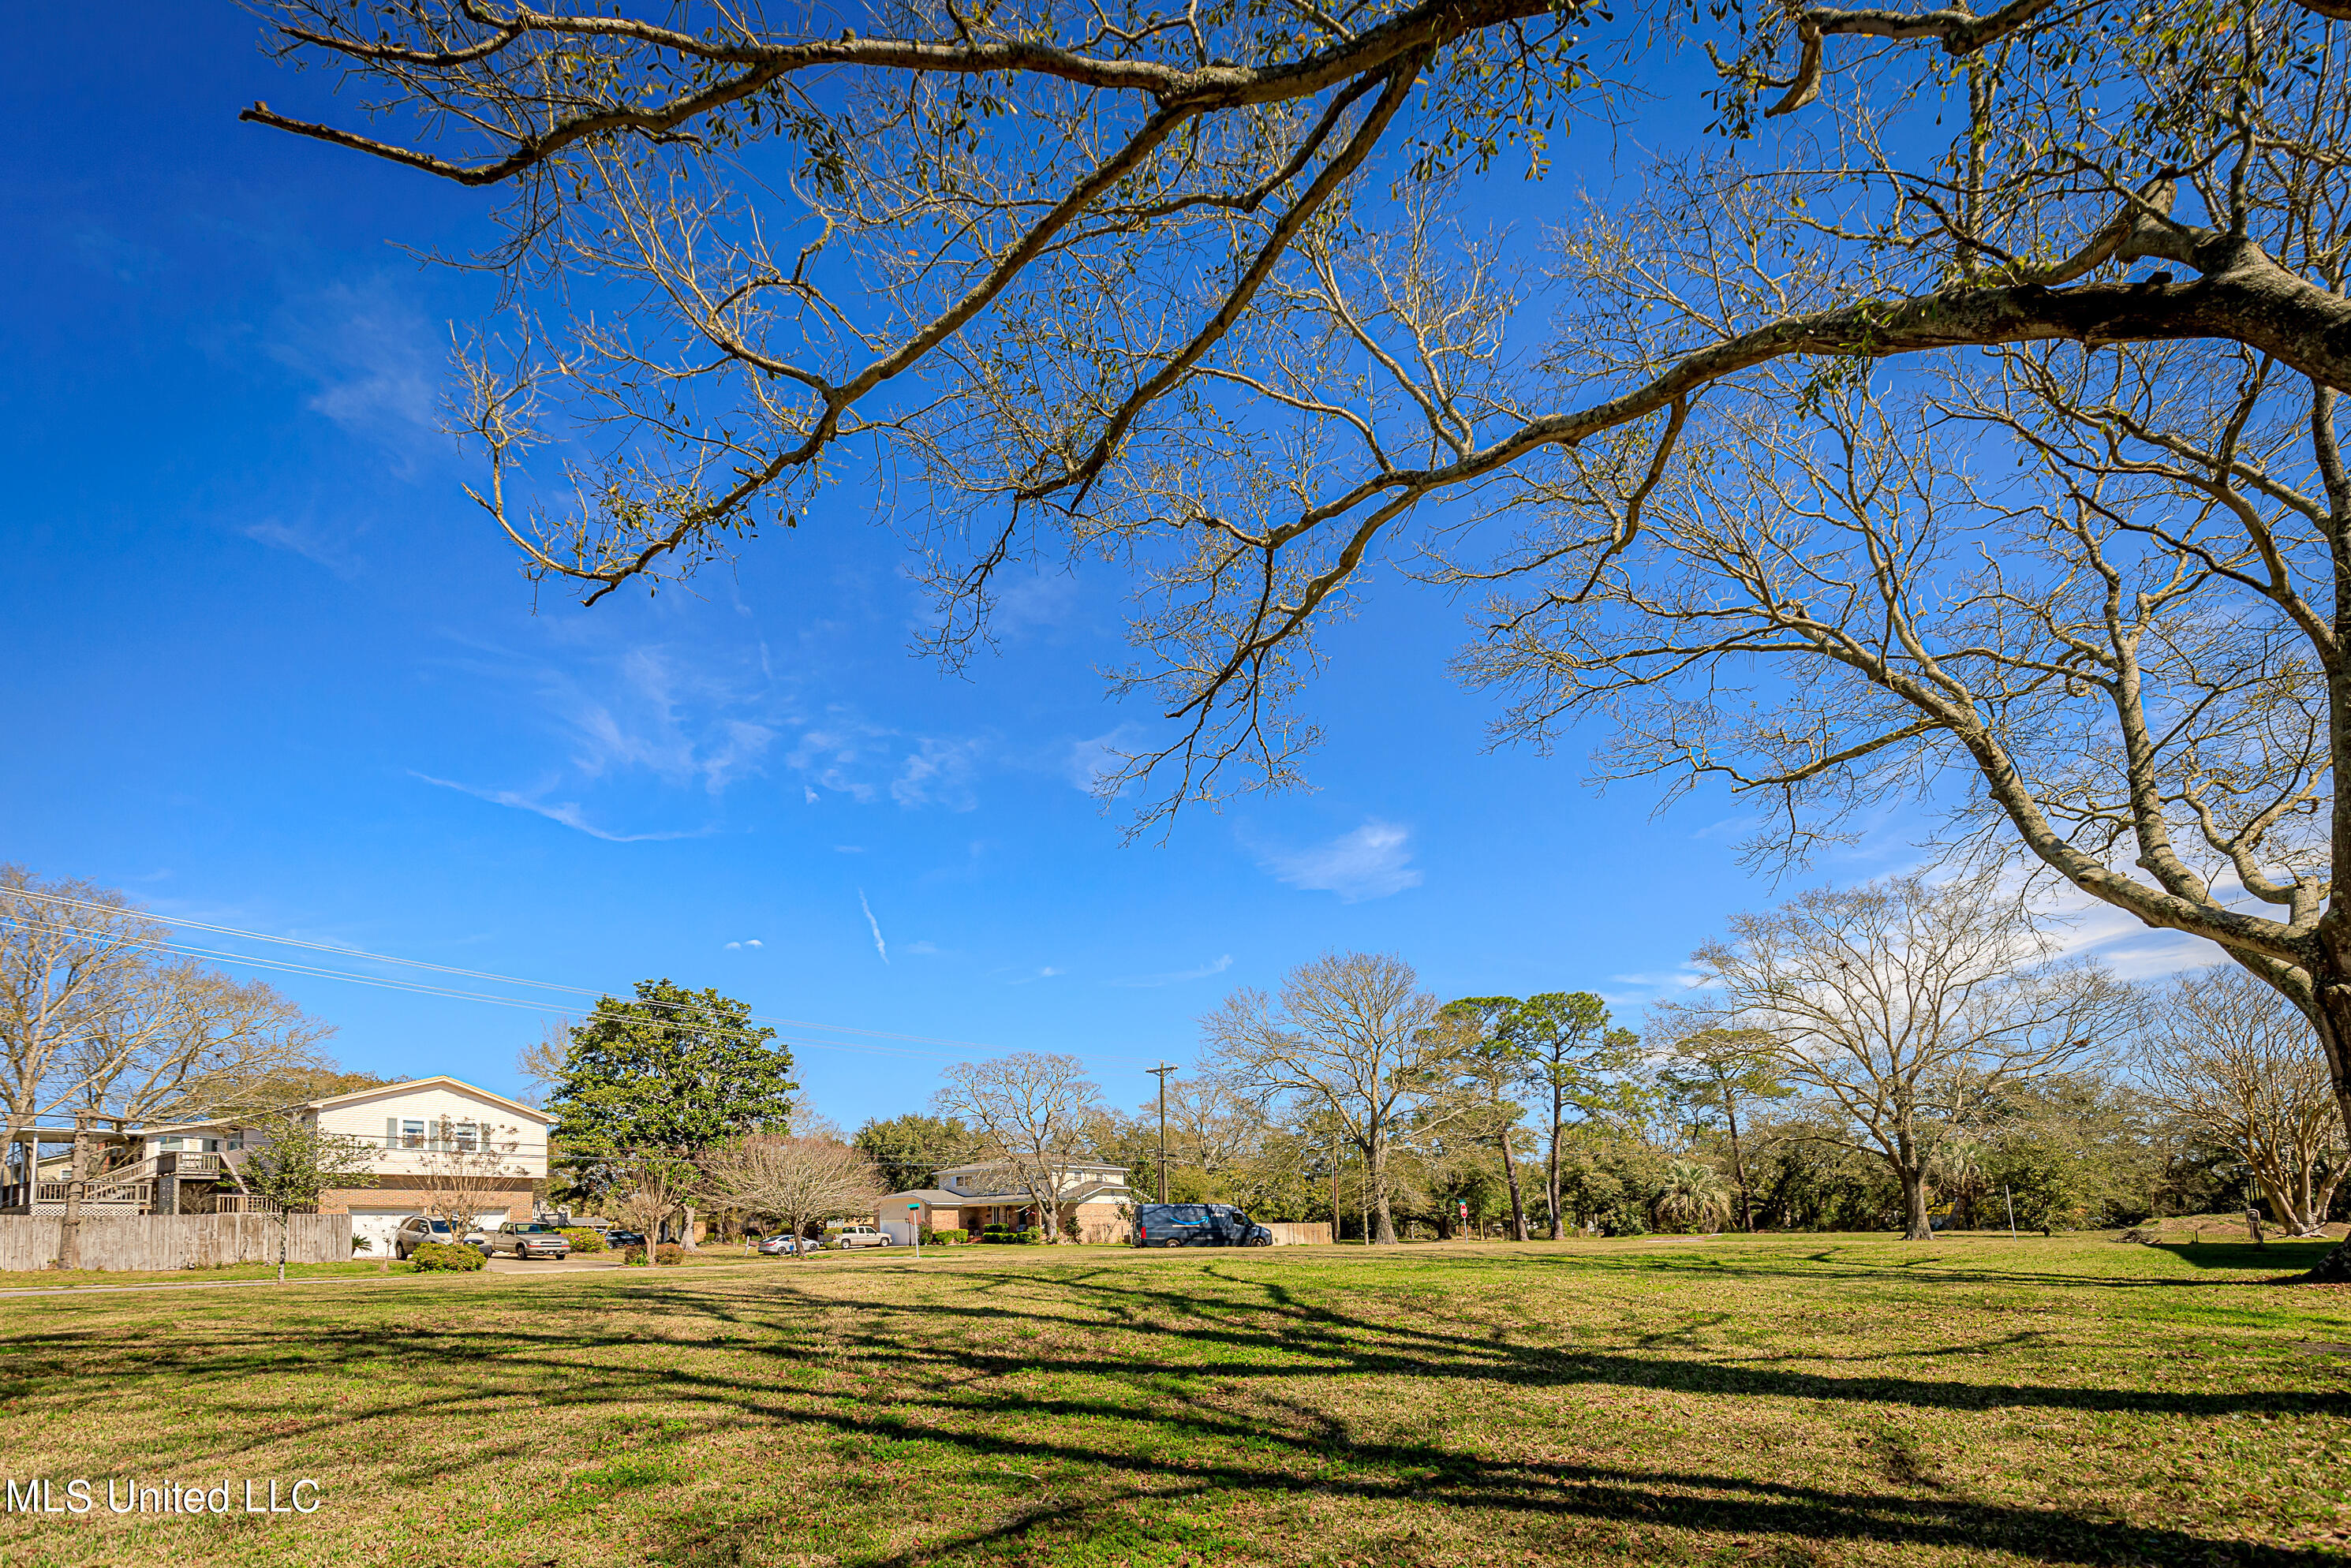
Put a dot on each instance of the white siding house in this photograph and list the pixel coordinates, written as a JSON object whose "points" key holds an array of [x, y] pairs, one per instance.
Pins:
{"points": [[419, 1130]]}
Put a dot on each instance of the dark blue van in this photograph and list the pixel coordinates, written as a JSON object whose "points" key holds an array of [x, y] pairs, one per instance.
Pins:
{"points": [[1197, 1224]]}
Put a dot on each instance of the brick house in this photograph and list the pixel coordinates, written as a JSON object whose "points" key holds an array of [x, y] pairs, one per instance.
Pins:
{"points": [[1095, 1202]]}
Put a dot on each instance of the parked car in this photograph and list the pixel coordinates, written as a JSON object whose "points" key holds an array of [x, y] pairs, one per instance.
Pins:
{"points": [[524, 1238], [624, 1239], [859, 1236], [415, 1230], [777, 1246], [1197, 1224]]}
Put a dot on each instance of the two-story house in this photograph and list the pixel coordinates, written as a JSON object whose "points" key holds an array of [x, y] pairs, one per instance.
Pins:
{"points": [[426, 1136]]}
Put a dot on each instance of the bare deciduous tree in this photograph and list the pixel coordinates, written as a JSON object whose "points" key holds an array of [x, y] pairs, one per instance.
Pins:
{"points": [[1033, 1112], [464, 1168], [194, 1043], [73, 957], [1168, 320], [541, 1062], [2234, 1060], [1350, 1034], [648, 1191], [1900, 1003], [795, 1180], [97, 1014]]}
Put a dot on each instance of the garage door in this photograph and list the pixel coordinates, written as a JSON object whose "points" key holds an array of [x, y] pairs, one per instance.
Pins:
{"points": [[375, 1226]]}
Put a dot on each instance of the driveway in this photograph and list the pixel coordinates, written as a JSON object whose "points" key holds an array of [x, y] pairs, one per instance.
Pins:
{"points": [[554, 1265]]}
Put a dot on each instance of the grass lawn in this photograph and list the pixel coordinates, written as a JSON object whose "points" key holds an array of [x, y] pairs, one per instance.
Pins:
{"points": [[1778, 1400]]}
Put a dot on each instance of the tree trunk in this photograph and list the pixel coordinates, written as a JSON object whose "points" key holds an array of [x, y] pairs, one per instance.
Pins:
{"points": [[1558, 1117], [70, 1248], [1387, 1236], [2332, 1013], [1510, 1173], [1915, 1224], [686, 1234], [1375, 1173], [1737, 1166]]}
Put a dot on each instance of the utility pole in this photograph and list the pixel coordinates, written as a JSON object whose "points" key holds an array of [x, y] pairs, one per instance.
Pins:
{"points": [[1161, 1072], [69, 1251], [1335, 1227]]}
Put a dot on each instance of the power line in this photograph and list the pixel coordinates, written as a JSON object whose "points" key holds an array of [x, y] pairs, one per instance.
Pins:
{"points": [[414, 986], [341, 951]]}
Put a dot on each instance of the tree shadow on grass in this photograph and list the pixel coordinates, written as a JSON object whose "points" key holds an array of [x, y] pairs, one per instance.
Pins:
{"points": [[1209, 1364], [1816, 1266], [2290, 1260]]}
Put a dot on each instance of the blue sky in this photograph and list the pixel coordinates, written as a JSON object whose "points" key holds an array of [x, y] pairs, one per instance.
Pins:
{"points": [[272, 671]]}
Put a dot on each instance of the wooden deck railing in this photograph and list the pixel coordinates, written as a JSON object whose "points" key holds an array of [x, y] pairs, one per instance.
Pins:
{"points": [[234, 1203]]}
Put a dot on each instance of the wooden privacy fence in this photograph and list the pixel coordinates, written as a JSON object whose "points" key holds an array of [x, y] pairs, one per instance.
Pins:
{"points": [[177, 1241], [1287, 1234]]}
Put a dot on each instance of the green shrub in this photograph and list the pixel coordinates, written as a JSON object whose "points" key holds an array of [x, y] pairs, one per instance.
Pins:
{"points": [[1032, 1236], [949, 1237], [435, 1256], [632, 1255], [669, 1254], [583, 1239]]}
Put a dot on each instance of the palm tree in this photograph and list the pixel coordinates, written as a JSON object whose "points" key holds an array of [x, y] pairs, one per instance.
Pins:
{"points": [[1694, 1197]]}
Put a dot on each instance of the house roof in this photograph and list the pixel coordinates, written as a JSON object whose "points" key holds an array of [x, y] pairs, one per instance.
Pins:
{"points": [[355, 1097], [981, 1168], [442, 1080], [1095, 1194]]}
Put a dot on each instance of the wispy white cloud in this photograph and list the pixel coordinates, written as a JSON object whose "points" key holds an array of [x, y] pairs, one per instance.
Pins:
{"points": [[567, 812], [738, 947], [1176, 976], [663, 716], [936, 772], [2084, 928], [923, 949], [853, 757], [1372, 861], [879, 946], [1089, 764], [364, 346], [1642, 989], [308, 541]]}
